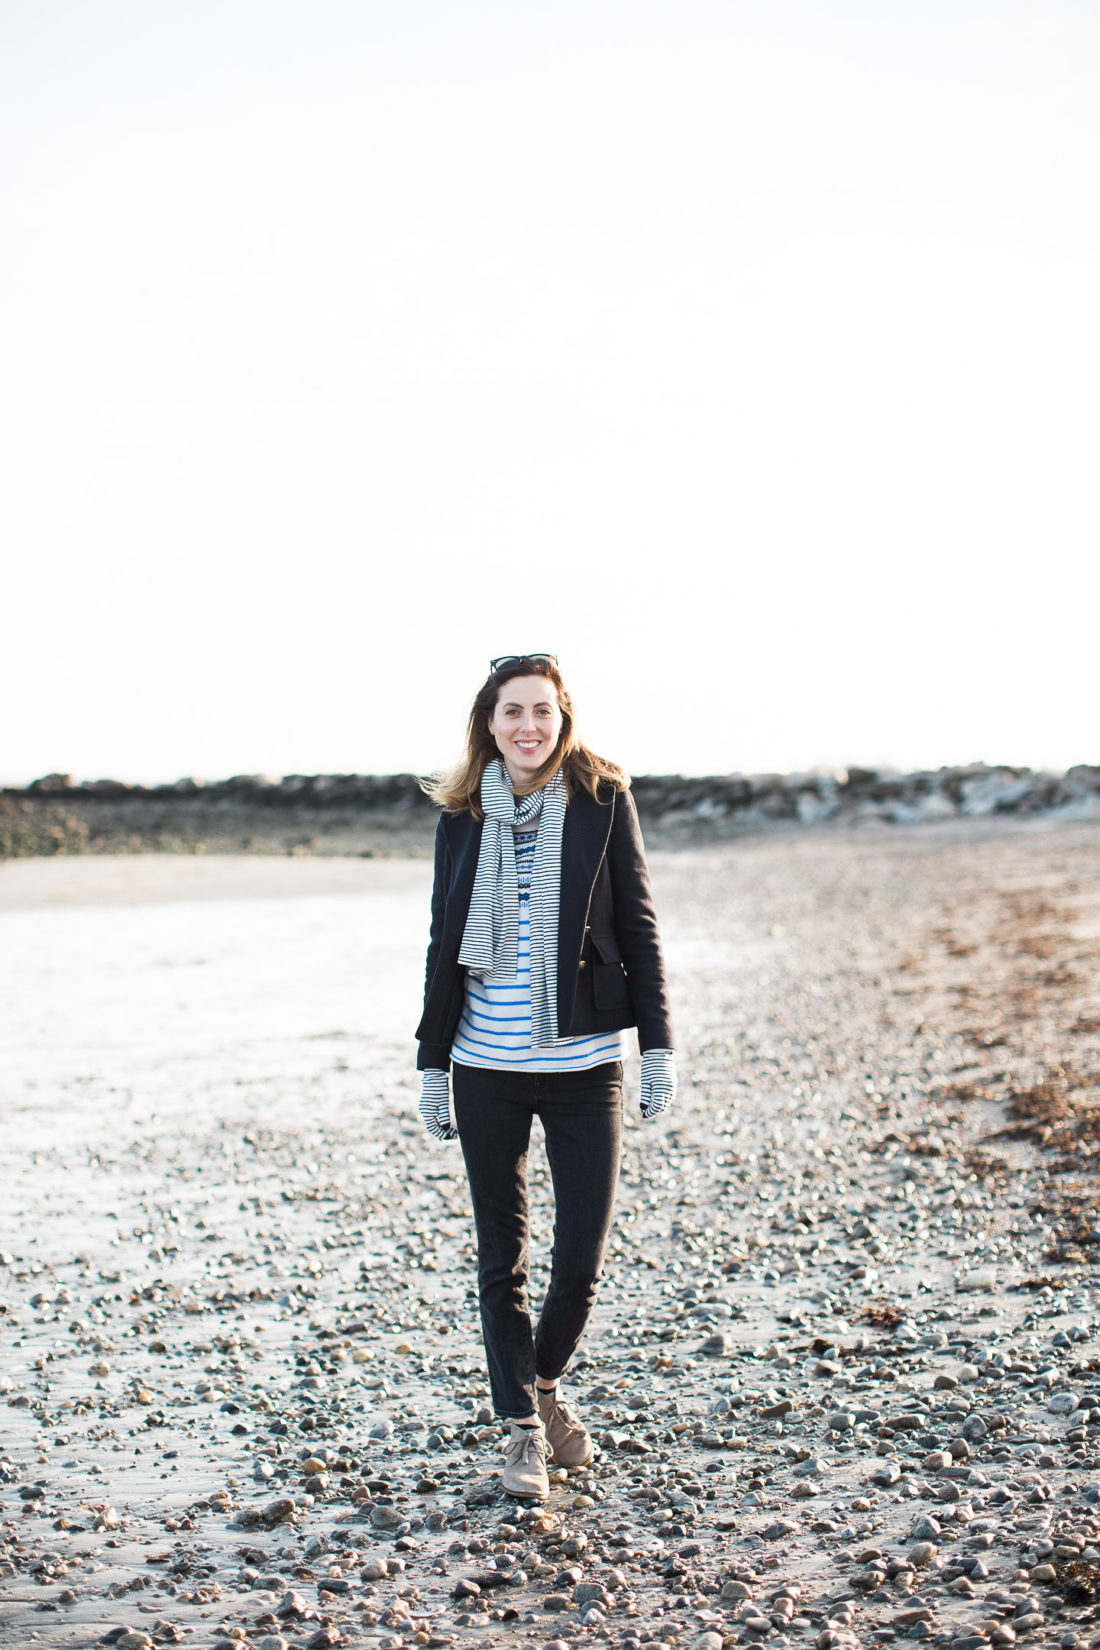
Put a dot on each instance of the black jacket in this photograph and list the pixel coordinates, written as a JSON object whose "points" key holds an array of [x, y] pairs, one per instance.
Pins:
{"points": [[610, 970]]}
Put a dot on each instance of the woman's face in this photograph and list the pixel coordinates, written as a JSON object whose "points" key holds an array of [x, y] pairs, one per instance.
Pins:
{"points": [[526, 725]]}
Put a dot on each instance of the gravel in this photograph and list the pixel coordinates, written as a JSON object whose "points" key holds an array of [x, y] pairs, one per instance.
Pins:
{"points": [[844, 1374]]}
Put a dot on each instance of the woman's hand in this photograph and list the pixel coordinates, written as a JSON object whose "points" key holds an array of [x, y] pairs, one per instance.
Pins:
{"points": [[658, 1081], [435, 1105]]}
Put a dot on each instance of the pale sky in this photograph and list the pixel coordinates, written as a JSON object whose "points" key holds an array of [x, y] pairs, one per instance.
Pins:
{"points": [[746, 355]]}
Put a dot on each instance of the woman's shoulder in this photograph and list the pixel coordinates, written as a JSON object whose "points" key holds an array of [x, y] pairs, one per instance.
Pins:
{"points": [[605, 795], [456, 823]]}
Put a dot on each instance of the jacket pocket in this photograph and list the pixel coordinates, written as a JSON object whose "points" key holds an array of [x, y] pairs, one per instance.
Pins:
{"points": [[609, 988]]}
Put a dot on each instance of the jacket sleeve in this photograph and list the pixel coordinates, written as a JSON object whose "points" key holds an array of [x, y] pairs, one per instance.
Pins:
{"points": [[636, 927], [432, 1056]]}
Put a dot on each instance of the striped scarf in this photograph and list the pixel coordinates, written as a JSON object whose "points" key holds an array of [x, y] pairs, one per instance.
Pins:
{"points": [[491, 937]]}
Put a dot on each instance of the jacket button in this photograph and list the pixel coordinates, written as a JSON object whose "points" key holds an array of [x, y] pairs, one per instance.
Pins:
{"points": [[582, 963]]}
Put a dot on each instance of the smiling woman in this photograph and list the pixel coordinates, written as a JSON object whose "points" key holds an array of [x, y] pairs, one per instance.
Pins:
{"points": [[543, 951]]}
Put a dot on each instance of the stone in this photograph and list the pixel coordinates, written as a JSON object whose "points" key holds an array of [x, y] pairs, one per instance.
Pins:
{"points": [[292, 1606], [978, 1278]]}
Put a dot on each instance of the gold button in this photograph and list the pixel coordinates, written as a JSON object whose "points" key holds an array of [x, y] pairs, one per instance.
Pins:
{"points": [[582, 963]]}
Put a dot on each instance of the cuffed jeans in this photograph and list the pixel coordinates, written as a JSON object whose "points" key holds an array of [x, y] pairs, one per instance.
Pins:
{"points": [[582, 1116]]}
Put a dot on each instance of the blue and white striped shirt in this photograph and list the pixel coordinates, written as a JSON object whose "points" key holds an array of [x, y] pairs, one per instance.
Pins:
{"points": [[495, 1028]]}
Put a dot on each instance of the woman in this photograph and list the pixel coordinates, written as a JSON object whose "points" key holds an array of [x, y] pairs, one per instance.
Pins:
{"points": [[543, 950]]}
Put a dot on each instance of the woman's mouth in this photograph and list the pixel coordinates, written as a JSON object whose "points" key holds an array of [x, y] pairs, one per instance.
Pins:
{"points": [[528, 745]]}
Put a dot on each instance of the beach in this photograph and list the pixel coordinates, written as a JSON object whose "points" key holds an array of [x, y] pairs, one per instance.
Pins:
{"points": [[844, 1372]]}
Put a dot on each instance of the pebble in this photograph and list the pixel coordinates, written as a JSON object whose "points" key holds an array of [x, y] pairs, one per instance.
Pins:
{"points": [[800, 1384], [980, 1277]]}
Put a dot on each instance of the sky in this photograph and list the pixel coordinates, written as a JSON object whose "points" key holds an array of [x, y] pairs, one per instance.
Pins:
{"points": [[743, 353]]}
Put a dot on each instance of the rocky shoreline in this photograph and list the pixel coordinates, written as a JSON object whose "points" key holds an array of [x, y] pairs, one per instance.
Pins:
{"points": [[389, 814], [845, 1370]]}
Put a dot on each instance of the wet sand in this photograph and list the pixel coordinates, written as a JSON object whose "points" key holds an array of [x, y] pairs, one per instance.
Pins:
{"points": [[844, 1373]]}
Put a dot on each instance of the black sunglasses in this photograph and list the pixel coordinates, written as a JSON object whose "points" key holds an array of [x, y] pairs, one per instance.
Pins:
{"points": [[521, 658]]}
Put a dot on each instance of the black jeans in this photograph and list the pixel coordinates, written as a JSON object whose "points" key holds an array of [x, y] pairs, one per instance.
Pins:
{"points": [[582, 1120]]}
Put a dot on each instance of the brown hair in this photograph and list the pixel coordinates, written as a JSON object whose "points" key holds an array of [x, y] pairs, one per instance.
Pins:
{"points": [[459, 790]]}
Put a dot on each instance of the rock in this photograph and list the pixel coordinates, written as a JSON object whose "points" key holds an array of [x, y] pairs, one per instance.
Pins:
{"points": [[979, 1278], [886, 1474], [776, 1532], [922, 1553], [708, 1641], [1063, 1403], [926, 1529], [325, 1638], [279, 1511]]}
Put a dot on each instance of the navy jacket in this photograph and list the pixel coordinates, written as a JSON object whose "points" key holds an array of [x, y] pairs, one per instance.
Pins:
{"points": [[611, 974]]}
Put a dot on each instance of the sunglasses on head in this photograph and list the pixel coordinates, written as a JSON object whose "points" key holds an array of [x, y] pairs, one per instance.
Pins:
{"points": [[520, 659]]}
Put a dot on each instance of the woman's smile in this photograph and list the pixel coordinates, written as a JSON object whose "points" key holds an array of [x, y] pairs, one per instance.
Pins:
{"points": [[526, 725]]}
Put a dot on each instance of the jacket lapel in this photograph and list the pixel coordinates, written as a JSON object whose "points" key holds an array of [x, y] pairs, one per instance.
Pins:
{"points": [[584, 843], [466, 845]]}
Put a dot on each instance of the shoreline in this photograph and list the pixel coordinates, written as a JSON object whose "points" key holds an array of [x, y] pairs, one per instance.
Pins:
{"points": [[139, 875]]}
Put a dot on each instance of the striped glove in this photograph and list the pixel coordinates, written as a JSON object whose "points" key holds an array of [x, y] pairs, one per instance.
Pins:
{"points": [[658, 1081], [435, 1105]]}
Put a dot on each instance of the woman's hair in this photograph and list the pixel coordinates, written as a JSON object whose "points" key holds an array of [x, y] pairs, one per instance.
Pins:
{"points": [[459, 790]]}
